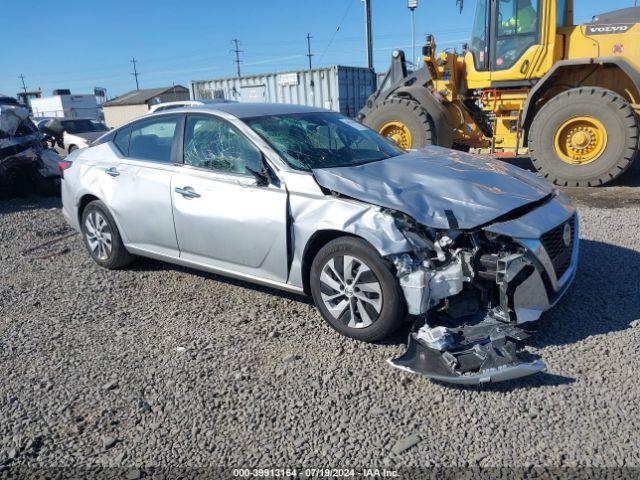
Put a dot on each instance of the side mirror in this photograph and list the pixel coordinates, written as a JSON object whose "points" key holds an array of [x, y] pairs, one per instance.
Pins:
{"points": [[262, 178], [264, 175]]}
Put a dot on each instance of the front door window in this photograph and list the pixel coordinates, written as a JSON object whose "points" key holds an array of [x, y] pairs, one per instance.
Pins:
{"points": [[214, 144]]}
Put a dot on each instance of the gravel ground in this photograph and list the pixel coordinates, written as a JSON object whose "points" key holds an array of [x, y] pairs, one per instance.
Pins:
{"points": [[158, 365]]}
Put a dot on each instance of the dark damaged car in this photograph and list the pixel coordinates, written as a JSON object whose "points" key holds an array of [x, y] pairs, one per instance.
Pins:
{"points": [[27, 165], [473, 251]]}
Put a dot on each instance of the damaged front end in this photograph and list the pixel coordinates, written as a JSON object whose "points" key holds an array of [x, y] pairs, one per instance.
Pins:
{"points": [[477, 292]]}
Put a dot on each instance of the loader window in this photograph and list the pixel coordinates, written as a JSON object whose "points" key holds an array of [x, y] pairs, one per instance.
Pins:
{"points": [[478, 45], [561, 13], [517, 30]]}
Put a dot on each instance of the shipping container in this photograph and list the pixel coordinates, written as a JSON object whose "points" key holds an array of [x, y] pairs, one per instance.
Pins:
{"points": [[339, 88]]}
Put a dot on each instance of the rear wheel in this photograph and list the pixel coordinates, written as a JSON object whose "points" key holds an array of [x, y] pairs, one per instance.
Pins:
{"points": [[402, 120], [584, 137], [102, 238], [355, 291]]}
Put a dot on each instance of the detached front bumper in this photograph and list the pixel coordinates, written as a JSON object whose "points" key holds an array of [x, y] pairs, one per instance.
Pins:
{"points": [[483, 351]]}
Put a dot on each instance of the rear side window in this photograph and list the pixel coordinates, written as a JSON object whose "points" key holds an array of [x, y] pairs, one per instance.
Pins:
{"points": [[152, 139], [122, 141]]}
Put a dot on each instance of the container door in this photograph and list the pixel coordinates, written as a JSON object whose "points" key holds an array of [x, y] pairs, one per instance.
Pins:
{"points": [[253, 93]]}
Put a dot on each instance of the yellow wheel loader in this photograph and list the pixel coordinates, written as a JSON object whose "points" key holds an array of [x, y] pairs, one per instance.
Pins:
{"points": [[529, 83]]}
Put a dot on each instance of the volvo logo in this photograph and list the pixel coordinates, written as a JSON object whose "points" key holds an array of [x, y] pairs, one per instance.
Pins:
{"points": [[566, 234], [608, 29]]}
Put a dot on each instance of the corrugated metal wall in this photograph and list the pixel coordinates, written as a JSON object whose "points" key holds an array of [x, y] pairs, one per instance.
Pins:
{"points": [[174, 96], [339, 88], [117, 115]]}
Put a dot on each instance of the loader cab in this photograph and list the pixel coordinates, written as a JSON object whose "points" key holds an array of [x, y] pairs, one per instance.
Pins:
{"points": [[513, 41]]}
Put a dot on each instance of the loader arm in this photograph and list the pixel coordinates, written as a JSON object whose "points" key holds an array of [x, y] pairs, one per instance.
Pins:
{"points": [[416, 86]]}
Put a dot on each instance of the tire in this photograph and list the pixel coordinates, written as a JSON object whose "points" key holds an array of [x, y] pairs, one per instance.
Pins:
{"points": [[612, 111], [407, 112], [96, 218], [385, 308]]}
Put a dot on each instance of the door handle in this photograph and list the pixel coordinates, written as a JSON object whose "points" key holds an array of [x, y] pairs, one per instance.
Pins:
{"points": [[187, 192], [113, 171]]}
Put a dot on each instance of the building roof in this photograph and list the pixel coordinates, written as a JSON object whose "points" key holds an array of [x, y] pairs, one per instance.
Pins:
{"points": [[142, 96]]}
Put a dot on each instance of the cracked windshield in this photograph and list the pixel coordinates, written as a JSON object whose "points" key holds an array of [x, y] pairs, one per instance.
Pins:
{"points": [[323, 140]]}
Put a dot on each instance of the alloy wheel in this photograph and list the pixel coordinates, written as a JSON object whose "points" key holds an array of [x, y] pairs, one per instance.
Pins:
{"points": [[98, 234], [350, 291]]}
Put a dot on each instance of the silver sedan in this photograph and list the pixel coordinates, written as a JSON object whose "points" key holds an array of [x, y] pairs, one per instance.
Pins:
{"points": [[309, 201]]}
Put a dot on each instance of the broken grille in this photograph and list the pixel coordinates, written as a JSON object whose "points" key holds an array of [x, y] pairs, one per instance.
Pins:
{"points": [[559, 253]]}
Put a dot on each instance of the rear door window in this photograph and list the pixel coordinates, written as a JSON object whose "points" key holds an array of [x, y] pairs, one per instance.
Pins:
{"points": [[152, 139]]}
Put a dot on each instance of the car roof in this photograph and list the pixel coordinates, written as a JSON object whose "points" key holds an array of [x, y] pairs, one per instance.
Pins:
{"points": [[248, 110], [177, 102], [67, 119]]}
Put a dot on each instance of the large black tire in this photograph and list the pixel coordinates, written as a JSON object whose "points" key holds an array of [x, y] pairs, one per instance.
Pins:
{"points": [[386, 309], [117, 255], [408, 112], [611, 110]]}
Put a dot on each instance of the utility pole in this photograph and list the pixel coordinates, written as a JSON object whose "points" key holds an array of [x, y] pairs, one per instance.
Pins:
{"points": [[135, 72], [237, 51], [24, 87], [309, 54], [412, 5], [367, 32]]}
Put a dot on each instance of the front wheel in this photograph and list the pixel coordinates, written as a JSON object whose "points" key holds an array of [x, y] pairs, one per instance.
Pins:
{"points": [[355, 290], [584, 137]]}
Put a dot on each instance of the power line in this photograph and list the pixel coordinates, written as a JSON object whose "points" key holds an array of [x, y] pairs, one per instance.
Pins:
{"points": [[24, 87], [135, 72], [309, 54], [346, 12], [237, 51]]}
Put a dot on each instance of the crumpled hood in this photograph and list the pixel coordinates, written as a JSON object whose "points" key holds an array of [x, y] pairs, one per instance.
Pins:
{"points": [[439, 187]]}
